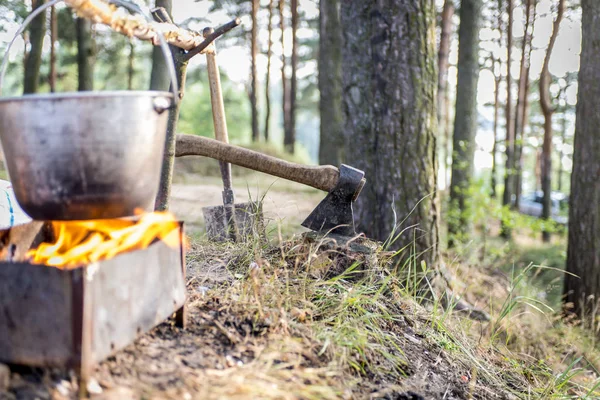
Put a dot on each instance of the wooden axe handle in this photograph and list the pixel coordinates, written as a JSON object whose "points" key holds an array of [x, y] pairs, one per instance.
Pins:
{"points": [[323, 177]]}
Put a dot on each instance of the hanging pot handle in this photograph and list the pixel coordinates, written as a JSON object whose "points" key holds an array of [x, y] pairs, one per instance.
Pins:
{"points": [[163, 44]]}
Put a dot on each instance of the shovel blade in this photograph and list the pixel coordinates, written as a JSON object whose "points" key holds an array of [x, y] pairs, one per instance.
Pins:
{"points": [[248, 219]]}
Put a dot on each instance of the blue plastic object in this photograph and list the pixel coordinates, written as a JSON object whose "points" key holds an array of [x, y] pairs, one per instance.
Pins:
{"points": [[11, 213]]}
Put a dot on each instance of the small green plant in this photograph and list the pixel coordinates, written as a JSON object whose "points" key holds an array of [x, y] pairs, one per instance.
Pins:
{"points": [[514, 300], [483, 211]]}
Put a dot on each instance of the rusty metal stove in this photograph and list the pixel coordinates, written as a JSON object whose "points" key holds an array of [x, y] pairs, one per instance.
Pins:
{"points": [[76, 318]]}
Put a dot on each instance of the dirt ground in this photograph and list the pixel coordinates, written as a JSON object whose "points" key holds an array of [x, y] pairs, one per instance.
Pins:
{"points": [[292, 319], [285, 203], [229, 351], [163, 358]]}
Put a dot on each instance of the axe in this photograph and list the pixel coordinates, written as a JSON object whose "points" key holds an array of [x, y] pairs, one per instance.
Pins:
{"points": [[333, 214]]}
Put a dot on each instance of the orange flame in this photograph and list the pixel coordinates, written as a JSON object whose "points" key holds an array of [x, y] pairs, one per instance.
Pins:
{"points": [[82, 242]]}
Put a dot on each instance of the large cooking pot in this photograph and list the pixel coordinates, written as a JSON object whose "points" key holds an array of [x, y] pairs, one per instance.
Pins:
{"points": [[85, 155]]}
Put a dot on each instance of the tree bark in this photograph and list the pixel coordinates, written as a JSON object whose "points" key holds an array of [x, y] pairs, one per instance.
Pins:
{"points": [[131, 66], [290, 134], [85, 53], [583, 254], [563, 138], [168, 163], [519, 148], [447, 129], [538, 169], [330, 83], [510, 133], [159, 77], [497, 81], [268, 76], [37, 30], [443, 54], [285, 96], [389, 83], [522, 97], [25, 36], [254, 72], [465, 120], [53, 39], [548, 110]]}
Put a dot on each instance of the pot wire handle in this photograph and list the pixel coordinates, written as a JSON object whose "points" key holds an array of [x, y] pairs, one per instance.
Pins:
{"points": [[164, 46], [22, 28], [130, 6]]}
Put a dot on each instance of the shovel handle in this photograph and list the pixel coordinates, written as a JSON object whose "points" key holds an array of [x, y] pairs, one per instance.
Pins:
{"points": [[323, 178]]}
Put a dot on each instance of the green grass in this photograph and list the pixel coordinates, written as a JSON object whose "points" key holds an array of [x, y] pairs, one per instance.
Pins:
{"points": [[548, 279]]}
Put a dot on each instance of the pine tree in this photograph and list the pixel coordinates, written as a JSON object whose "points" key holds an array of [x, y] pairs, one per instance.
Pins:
{"points": [[390, 114], [465, 121]]}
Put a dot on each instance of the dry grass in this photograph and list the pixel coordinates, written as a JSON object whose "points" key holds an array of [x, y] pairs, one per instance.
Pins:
{"points": [[312, 319], [336, 323]]}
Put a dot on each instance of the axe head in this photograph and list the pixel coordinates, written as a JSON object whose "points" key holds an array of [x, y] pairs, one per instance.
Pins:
{"points": [[334, 213]]}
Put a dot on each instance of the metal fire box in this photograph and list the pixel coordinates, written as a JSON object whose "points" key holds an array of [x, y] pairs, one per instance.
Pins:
{"points": [[76, 318]]}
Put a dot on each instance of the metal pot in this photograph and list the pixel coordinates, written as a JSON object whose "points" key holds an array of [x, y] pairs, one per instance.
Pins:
{"points": [[85, 155]]}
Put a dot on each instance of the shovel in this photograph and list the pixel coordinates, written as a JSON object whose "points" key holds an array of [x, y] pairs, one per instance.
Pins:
{"points": [[230, 221]]}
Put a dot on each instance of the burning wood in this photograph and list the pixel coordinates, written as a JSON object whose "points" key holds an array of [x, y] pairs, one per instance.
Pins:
{"points": [[82, 242], [75, 317]]}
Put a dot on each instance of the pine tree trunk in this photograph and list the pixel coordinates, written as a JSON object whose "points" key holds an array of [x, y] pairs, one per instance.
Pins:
{"points": [[546, 177], [53, 38], [447, 129], [497, 81], [254, 72], [330, 83], [159, 77], [538, 169], [563, 138], [285, 94], [85, 52], [168, 163], [548, 110], [160, 80], [510, 133], [583, 254], [522, 98], [465, 120], [37, 30], [442, 99], [443, 54], [268, 76], [389, 82], [131, 66], [25, 50], [290, 134], [519, 148]]}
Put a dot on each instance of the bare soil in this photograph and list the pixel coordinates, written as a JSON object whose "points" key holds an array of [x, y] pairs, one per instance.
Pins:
{"points": [[284, 203]]}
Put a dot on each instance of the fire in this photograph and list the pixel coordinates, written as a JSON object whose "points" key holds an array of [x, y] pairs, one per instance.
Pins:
{"points": [[83, 242]]}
